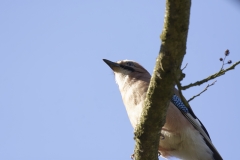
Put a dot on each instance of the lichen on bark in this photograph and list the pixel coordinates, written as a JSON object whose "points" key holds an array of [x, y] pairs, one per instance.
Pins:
{"points": [[169, 60]]}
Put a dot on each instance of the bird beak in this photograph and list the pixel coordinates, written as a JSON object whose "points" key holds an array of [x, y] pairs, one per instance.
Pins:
{"points": [[111, 64]]}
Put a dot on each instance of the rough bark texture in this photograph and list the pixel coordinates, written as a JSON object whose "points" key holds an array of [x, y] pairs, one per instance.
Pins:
{"points": [[173, 48]]}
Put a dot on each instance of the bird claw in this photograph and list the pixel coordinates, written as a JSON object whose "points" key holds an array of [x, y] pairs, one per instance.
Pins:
{"points": [[162, 137], [132, 156]]}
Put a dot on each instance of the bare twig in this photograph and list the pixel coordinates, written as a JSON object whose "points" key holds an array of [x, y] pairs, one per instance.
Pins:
{"points": [[185, 66], [185, 102], [202, 91], [223, 63], [223, 60], [218, 74]]}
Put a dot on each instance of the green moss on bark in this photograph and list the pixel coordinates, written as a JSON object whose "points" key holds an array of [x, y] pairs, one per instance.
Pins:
{"points": [[173, 49]]}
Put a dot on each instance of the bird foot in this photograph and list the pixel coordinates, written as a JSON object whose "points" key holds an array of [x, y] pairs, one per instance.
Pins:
{"points": [[162, 137], [132, 156]]}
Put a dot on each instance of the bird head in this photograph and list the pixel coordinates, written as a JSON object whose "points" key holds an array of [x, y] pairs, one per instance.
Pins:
{"points": [[127, 70], [133, 81]]}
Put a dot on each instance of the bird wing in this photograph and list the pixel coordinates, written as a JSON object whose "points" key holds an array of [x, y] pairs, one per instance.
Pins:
{"points": [[197, 124]]}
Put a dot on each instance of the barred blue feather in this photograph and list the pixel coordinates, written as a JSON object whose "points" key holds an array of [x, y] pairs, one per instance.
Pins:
{"points": [[179, 104]]}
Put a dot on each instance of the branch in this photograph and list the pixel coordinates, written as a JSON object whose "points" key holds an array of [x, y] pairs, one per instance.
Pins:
{"points": [[202, 91], [218, 74], [185, 102], [173, 48], [185, 66]]}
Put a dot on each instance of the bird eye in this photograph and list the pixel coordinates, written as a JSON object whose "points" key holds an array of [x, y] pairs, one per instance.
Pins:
{"points": [[130, 64]]}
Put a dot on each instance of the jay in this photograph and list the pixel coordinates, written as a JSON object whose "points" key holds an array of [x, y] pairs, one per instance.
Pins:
{"points": [[184, 136]]}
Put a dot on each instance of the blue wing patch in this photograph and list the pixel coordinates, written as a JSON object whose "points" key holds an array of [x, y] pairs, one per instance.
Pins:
{"points": [[179, 104]]}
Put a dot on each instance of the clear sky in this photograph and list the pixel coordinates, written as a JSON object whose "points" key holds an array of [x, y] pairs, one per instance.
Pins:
{"points": [[59, 100]]}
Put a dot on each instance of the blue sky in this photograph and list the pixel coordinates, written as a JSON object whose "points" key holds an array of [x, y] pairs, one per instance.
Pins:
{"points": [[59, 100]]}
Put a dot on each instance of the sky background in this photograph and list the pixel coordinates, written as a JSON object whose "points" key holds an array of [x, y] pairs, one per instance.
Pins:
{"points": [[59, 100]]}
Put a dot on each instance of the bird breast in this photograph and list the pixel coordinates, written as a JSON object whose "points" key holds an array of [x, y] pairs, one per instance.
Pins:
{"points": [[133, 96]]}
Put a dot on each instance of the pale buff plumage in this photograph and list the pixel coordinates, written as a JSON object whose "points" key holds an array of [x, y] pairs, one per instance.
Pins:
{"points": [[181, 139]]}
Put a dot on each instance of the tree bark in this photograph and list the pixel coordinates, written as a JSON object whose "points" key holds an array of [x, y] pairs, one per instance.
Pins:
{"points": [[167, 68]]}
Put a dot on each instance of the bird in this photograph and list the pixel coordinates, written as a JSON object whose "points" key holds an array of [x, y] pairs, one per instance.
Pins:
{"points": [[183, 135]]}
